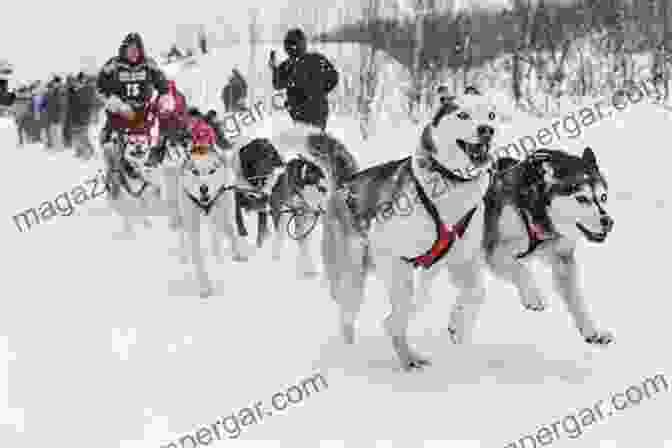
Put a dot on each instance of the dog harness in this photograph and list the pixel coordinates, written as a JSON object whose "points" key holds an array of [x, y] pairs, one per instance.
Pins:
{"points": [[535, 233], [208, 207], [446, 234]]}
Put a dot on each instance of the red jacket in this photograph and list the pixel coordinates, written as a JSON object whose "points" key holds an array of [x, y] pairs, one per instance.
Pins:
{"points": [[178, 118]]}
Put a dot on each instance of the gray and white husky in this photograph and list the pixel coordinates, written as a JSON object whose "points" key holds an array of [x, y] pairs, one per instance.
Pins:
{"points": [[425, 211], [206, 189], [540, 208]]}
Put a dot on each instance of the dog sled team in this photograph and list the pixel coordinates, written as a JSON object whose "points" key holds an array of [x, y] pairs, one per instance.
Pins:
{"points": [[496, 218]]}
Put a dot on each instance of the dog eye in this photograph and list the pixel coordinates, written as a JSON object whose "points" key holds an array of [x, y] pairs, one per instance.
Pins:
{"points": [[491, 115], [194, 171], [582, 200], [463, 116], [603, 198], [212, 171]]}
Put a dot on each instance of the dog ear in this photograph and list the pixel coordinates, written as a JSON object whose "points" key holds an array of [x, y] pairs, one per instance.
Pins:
{"points": [[447, 107], [471, 90], [588, 157], [427, 142]]}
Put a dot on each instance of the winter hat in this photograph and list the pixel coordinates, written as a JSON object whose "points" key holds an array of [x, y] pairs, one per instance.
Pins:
{"points": [[202, 138], [295, 42]]}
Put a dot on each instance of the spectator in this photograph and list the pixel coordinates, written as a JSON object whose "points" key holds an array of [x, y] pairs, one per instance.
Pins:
{"points": [[211, 119], [308, 77], [83, 105], [235, 92], [56, 100], [67, 126]]}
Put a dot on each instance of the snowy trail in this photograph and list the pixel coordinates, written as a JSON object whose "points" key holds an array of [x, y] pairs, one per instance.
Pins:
{"points": [[103, 342]]}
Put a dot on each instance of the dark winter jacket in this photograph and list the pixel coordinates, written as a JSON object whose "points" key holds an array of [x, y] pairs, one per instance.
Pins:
{"points": [[7, 98], [235, 91], [133, 83], [56, 104], [308, 80]]}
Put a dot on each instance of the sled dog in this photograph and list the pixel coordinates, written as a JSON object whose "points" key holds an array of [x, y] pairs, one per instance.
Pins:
{"points": [[140, 184], [296, 203], [541, 207], [258, 166], [207, 185], [430, 231]]}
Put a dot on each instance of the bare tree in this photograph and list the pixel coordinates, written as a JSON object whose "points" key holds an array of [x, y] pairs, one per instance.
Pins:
{"points": [[368, 67], [521, 17]]}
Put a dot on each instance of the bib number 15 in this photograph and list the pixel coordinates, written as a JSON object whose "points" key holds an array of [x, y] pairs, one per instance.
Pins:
{"points": [[132, 90]]}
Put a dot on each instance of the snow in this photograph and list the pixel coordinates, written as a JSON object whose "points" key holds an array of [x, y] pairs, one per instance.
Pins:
{"points": [[104, 342]]}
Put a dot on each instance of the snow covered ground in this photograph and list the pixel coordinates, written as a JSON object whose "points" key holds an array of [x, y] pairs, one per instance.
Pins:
{"points": [[103, 342]]}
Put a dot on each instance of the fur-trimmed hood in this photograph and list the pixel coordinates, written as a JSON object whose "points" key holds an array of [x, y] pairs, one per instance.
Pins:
{"points": [[132, 38]]}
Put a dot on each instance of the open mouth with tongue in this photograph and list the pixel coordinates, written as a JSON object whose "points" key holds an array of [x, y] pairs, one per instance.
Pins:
{"points": [[594, 237], [478, 153]]}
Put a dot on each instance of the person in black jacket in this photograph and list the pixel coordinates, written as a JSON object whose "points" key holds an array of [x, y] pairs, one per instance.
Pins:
{"points": [[82, 106], [127, 82], [7, 98], [308, 77]]}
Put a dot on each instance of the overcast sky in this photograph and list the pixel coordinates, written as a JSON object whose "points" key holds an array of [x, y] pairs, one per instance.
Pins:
{"points": [[46, 37]]}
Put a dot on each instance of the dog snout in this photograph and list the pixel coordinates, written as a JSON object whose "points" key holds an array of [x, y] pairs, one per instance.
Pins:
{"points": [[607, 222], [485, 131], [204, 190]]}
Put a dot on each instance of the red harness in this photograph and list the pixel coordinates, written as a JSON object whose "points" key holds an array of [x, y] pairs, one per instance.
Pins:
{"points": [[536, 234], [446, 234], [444, 242]]}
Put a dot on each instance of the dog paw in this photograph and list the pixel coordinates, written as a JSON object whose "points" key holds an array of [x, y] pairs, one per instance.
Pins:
{"points": [[600, 338], [415, 362], [348, 333], [455, 336], [533, 301], [308, 274], [205, 292]]}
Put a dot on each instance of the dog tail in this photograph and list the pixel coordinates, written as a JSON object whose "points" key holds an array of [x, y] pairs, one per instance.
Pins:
{"points": [[332, 153], [346, 260]]}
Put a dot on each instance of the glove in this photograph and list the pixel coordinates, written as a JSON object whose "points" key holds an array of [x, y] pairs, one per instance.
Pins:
{"points": [[115, 105], [166, 104]]}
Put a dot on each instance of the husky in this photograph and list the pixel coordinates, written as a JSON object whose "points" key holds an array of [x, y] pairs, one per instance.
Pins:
{"points": [[258, 166], [540, 208], [139, 185], [290, 189], [296, 203], [443, 184], [322, 149], [207, 182]]}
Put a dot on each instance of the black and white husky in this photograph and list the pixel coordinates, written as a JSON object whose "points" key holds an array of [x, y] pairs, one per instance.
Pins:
{"points": [[206, 188], [296, 203], [540, 208], [293, 186], [425, 211], [140, 184]]}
